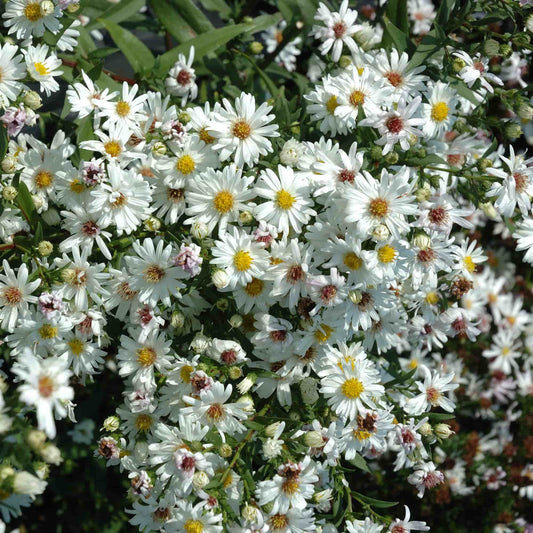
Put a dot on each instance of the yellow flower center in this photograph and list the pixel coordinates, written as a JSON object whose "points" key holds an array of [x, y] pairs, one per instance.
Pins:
{"points": [[47, 331], [254, 288], [379, 207], [76, 346], [43, 179], [45, 386], [357, 98], [77, 186], [323, 333], [185, 373], [193, 526], [223, 201], [278, 522], [146, 356], [290, 486], [352, 388], [353, 261], [113, 148], [432, 298], [40, 68], [413, 363], [33, 11], [506, 350], [242, 130], [387, 254], [119, 201], [361, 434], [332, 104], [185, 164], [153, 274], [360, 70], [469, 264], [215, 412], [285, 199], [143, 422], [439, 111], [242, 260], [122, 108], [204, 136], [12, 296]]}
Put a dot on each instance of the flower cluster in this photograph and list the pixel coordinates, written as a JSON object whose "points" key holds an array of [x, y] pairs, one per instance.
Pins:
{"points": [[295, 295]]}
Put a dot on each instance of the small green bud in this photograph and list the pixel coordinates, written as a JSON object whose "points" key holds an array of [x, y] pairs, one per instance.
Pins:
{"points": [[45, 248], [506, 50], [525, 112], [391, 158], [484, 164], [184, 117], [256, 47], [345, 61], [513, 130], [522, 39], [458, 64], [376, 152], [491, 47]]}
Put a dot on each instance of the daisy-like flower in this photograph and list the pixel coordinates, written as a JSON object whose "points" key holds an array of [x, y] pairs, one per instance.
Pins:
{"points": [[291, 487], [123, 200], [81, 279], [397, 125], [335, 29], [385, 201], [142, 358], [363, 526], [128, 110], [83, 355], [26, 18], [422, 14], [43, 67], [293, 521], [440, 110], [467, 257], [432, 391], [181, 79], [516, 186], [15, 294], [406, 525], [287, 56], [398, 75], [11, 69], [153, 272], [425, 476], [195, 519], [243, 131], [218, 197], [524, 236], [211, 409], [351, 386], [45, 386], [84, 97], [477, 68], [288, 203], [503, 352], [241, 257]]}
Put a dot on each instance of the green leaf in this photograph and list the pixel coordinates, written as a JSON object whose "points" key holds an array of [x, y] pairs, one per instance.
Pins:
{"points": [[3, 141], [85, 133], [25, 203], [440, 416], [380, 504], [208, 42], [135, 51], [359, 462], [431, 159], [308, 9], [100, 53], [117, 13], [401, 379], [192, 15], [431, 43], [172, 21], [397, 14], [444, 12], [217, 5], [393, 37]]}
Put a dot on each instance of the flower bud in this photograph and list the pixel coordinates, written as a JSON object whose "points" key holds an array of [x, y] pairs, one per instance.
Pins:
{"points": [[484, 164], [200, 480], [152, 224], [222, 304], [506, 50], [35, 439], [111, 423], [9, 165], [37, 201], [200, 343], [225, 451], [184, 117], [355, 296], [256, 47], [72, 8], [291, 152], [250, 513], [9, 193], [423, 194], [513, 130], [529, 24], [159, 149], [443, 431], [376, 152], [525, 111], [51, 454], [6, 472], [391, 158], [199, 230], [314, 439], [177, 320], [271, 429], [491, 48], [219, 278], [26, 483], [345, 61], [47, 8], [309, 390], [51, 217], [248, 402], [489, 210], [521, 39], [422, 241], [235, 321], [247, 383], [380, 233], [425, 429], [45, 248], [458, 64], [235, 372], [140, 451], [245, 217], [32, 100]]}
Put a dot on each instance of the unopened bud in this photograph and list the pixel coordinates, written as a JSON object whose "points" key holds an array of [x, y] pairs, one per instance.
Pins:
{"points": [[345, 61], [72, 8], [380, 233], [219, 278], [249, 513], [271, 429], [47, 8], [314, 439], [235, 372], [506, 50], [9, 165], [376, 152], [256, 47], [355, 296], [391, 158], [159, 148], [200, 480], [9, 193], [35, 439], [152, 224], [222, 304], [422, 241], [236, 321], [32, 100], [45, 248], [225, 451], [491, 48], [426, 429], [111, 423], [525, 111], [423, 194], [443, 431], [199, 230], [513, 130], [458, 64], [184, 117], [484, 164], [245, 217]]}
